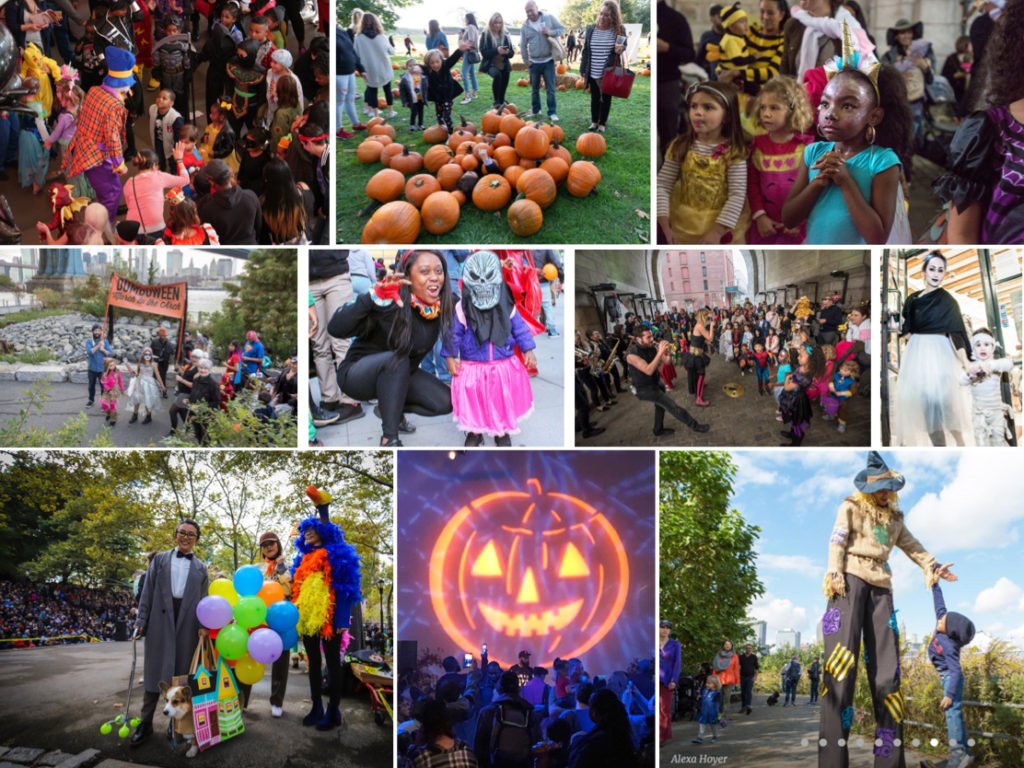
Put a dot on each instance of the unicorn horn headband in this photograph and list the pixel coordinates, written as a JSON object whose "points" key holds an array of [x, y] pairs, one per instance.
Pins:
{"points": [[853, 59]]}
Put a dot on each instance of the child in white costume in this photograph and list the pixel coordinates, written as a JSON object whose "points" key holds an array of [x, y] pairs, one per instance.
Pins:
{"points": [[992, 417]]}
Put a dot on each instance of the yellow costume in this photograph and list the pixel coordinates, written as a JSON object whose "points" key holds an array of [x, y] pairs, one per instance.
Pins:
{"points": [[699, 196], [35, 64]]}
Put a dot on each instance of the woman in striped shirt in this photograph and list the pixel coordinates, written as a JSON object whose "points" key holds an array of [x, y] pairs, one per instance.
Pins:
{"points": [[603, 42]]}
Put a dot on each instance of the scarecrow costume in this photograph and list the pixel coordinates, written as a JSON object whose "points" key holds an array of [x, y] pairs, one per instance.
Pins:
{"points": [[325, 585], [862, 538]]}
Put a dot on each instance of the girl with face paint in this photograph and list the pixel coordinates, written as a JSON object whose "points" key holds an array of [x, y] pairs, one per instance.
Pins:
{"points": [[993, 418], [491, 390], [929, 405], [149, 387]]}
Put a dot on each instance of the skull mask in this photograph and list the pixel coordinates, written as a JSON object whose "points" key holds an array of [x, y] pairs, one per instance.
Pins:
{"points": [[481, 279]]}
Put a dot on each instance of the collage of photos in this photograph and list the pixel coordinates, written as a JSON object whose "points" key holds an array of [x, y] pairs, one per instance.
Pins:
{"points": [[792, 236]]}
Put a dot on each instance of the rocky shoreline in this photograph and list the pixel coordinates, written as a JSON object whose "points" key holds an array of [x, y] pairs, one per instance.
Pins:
{"points": [[65, 336]]}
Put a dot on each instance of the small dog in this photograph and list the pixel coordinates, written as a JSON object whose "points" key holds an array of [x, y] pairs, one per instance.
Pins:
{"points": [[773, 699], [178, 707]]}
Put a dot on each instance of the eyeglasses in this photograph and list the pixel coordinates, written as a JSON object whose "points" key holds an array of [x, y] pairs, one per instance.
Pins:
{"points": [[187, 535], [268, 544]]}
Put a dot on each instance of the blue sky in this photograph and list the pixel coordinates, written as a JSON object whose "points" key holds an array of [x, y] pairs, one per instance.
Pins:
{"points": [[965, 507]]}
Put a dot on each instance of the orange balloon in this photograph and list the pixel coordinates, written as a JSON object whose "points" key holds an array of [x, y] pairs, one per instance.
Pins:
{"points": [[271, 592]]}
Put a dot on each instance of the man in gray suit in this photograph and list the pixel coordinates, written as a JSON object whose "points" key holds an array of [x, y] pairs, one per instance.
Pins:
{"points": [[175, 583]]}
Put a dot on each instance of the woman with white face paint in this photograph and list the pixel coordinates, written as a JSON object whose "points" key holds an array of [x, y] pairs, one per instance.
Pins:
{"points": [[993, 418], [929, 405]]}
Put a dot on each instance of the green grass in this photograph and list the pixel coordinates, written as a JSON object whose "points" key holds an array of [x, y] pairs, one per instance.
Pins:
{"points": [[26, 315], [617, 212], [28, 356]]}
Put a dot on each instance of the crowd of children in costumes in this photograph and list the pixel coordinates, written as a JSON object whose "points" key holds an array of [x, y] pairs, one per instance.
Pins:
{"points": [[794, 363], [243, 160], [558, 717], [798, 129]]}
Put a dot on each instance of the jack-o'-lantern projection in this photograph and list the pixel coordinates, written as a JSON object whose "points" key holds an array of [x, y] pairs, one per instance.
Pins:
{"points": [[529, 569]]}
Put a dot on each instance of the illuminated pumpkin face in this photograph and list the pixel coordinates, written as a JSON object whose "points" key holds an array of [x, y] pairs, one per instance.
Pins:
{"points": [[528, 569]]}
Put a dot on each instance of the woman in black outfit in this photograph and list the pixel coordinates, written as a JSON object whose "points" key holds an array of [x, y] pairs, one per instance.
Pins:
{"points": [[496, 52], [396, 324], [609, 742]]}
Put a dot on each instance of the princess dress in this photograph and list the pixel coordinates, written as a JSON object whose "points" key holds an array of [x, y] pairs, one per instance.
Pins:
{"points": [[33, 159], [928, 399], [698, 197], [147, 392], [773, 169]]}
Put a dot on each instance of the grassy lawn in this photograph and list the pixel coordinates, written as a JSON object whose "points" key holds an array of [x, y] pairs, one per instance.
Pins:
{"points": [[616, 213]]}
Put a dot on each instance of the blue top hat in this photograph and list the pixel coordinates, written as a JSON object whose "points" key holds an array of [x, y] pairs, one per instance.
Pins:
{"points": [[120, 64], [877, 476]]}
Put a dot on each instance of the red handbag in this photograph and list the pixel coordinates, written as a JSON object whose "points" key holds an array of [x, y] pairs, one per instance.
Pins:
{"points": [[618, 81]]}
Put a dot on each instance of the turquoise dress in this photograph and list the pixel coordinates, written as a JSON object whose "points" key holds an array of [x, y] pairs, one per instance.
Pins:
{"points": [[33, 159], [830, 223]]}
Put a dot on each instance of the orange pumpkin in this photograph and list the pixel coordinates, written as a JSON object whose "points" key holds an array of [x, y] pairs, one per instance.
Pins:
{"points": [[583, 177], [385, 186], [553, 132], [562, 69], [407, 162], [395, 223], [460, 136], [469, 162], [389, 151], [465, 125], [527, 163], [522, 82], [505, 157], [374, 121], [511, 125], [580, 84], [449, 176], [525, 218], [532, 558], [436, 156], [394, 92], [435, 134], [557, 150], [557, 168], [382, 103], [381, 139], [512, 173], [382, 129], [491, 121], [492, 193], [591, 145], [419, 187], [460, 197], [440, 212], [511, 108], [501, 140], [561, 87], [536, 184], [394, 66], [532, 143], [369, 151]]}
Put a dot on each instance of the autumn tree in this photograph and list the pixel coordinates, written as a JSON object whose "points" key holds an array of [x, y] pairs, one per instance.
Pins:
{"points": [[708, 567]]}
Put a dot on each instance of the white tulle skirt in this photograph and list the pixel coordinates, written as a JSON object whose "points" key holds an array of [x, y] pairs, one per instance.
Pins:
{"points": [[929, 397]]}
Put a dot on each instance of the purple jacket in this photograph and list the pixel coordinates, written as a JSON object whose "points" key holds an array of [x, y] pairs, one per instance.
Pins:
{"points": [[671, 662], [463, 343]]}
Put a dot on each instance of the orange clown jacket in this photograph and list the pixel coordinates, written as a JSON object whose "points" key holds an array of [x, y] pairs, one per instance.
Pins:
{"points": [[100, 134]]}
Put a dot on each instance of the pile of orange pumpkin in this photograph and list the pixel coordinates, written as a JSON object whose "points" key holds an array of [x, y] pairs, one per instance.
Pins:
{"points": [[531, 165]]}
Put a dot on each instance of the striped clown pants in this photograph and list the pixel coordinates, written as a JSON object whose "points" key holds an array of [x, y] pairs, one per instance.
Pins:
{"points": [[864, 610]]}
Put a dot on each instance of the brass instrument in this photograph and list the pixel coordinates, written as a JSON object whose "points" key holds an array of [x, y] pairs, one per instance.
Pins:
{"points": [[611, 356]]}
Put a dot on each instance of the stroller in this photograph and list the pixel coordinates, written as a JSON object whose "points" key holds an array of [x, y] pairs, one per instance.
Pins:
{"points": [[686, 702]]}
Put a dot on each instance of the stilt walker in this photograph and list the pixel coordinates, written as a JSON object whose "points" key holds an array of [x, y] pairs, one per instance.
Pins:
{"points": [[858, 586]]}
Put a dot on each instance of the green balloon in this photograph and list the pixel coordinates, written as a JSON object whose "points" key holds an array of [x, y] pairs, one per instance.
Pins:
{"points": [[123, 733], [250, 612], [106, 728], [231, 641]]}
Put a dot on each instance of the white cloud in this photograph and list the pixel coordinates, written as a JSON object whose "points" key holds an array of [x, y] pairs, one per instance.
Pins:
{"points": [[780, 613], [799, 563], [751, 472], [829, 489], [1002, 596], [978, 508]]}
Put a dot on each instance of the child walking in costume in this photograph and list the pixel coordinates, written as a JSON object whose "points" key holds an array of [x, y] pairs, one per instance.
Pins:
{"points": [[993, 418], [794, 404], [952, 632], [325, 584], [491, 390], [858, 585], [441, 88], [112, 386], [702, 187], [710, 699], [841, 390]]}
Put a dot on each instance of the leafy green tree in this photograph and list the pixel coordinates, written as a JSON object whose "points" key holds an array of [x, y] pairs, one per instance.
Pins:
{"points": [[580, 13], [385, 10], [262, 299], [708, 568]]}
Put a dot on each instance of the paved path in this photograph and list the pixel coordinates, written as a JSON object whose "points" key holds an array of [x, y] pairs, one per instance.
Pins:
{"points": [[742, 421], [771, 737], [543, 429], [57, 698]]}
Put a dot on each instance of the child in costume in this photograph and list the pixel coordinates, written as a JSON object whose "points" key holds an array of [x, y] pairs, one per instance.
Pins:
{"points": [[708, 715], [702, 186], [761, 362], [325, 584], [858, 585], [35, 64], [952, 632], [218, 140], [784, 113], [172, 61], [491, 391], [850, 189], [841, 390], [745, 360], [441, 87], [33, 159], [413, 90], [993, 419], [69, 97], [112, 386], [248, 84], [794, 404]]}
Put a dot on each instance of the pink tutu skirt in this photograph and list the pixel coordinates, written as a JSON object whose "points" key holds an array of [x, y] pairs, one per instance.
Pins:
{"points": [[491, 398]]}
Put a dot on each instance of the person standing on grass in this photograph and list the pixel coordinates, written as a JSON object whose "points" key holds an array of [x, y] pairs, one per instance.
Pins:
{"points": [[603, 43], [535, 48]]}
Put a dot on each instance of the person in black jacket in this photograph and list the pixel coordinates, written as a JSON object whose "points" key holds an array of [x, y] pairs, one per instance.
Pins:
{"points": [[442, 88], [163, 351], [609, 742], [205, 389], [496, 53], [233, 212], [348, 65], [675, 48], [396, 325]]}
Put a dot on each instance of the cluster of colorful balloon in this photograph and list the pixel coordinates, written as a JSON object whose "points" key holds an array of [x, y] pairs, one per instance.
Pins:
{"points": [[250, 621]]}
